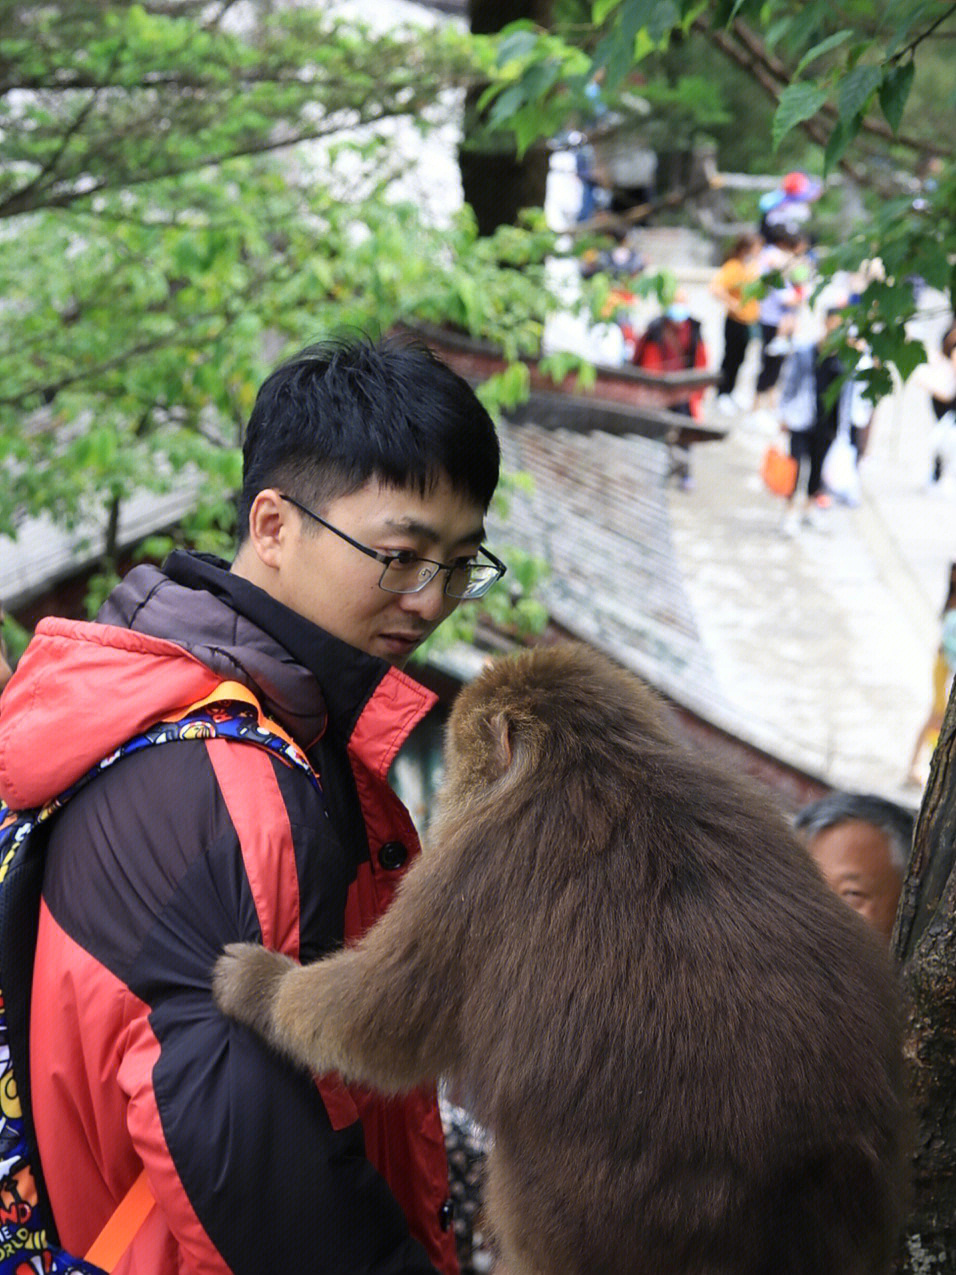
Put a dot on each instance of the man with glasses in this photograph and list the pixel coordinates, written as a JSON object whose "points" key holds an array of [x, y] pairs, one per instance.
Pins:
{"points": [[368, 470]]}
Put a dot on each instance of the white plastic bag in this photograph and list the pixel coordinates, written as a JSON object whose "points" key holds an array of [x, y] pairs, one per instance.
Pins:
{"points": [[840, 475]]}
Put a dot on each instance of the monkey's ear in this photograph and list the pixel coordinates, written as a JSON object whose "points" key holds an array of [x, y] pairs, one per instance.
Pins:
{"points": [[501, 753]]}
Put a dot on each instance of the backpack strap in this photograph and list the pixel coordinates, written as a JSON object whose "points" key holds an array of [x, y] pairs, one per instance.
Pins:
{"points": [[120, 1231], [231, 711], [236, 693]]}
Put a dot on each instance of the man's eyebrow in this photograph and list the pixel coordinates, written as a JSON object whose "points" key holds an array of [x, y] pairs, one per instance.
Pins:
{"points": [[413, 527]]}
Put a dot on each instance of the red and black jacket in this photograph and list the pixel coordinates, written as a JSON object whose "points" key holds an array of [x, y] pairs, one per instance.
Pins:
{"points": [[673, 346], [157, 864]]}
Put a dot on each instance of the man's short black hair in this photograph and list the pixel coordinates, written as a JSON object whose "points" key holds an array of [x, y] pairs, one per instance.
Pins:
{"points": [[895, 822], [343, 412]]}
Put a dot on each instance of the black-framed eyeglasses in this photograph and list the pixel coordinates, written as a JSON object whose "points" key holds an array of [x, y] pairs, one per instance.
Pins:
{"points": [[405, 572]]}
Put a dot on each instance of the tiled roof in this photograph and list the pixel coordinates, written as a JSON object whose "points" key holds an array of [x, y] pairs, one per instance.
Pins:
{"points": [[43, 553], [598, 516]]}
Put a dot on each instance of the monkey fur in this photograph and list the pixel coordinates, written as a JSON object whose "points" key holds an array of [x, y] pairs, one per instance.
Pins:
{"points": [[685, 1046]]}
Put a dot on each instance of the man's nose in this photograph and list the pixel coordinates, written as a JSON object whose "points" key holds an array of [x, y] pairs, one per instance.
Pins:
{"points": [[430, 602]]}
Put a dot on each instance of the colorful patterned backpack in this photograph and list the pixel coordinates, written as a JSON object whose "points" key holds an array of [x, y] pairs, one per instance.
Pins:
{"points": [[28, 1241]]}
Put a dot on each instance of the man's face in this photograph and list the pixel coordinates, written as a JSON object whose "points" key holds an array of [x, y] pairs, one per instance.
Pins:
{"points": [[333, 584], [854, 858]]}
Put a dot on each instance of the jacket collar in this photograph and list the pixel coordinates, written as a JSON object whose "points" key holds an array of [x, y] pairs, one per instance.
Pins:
{"points": [[163, 640], [304, 677]]}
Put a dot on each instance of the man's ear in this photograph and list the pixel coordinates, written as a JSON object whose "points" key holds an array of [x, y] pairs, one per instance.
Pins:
{"points": [[269, 523]]}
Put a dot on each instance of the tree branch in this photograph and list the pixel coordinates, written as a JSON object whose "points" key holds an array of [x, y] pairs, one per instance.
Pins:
{"points": [[71, 131], [22, 200], [783, 75], [23, 397], [764, 75], [223, 315], [80, 80], [773, 76], [925, 35], [212, 23]]}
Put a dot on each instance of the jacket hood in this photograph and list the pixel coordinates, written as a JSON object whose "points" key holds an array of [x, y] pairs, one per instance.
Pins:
{"points": [[81, 690], [163, 640]]}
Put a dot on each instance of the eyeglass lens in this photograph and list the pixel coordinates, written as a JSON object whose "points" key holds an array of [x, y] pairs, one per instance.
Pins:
{"points": [[463, 582]]}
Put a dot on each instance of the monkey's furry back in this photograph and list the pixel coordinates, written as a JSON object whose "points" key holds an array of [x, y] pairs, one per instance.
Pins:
{"points": [[668, 1020], [685, 1046]]}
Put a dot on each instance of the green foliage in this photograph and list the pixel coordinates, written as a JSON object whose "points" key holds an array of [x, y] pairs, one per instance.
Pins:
{"points": [[683, 108], [99, 586], [181, 203], [798, 102], [492, 287], [15, 637], [94, 96], [909, 244], [694, 89], [512, 606], [151, 246], [868, 85], [894, 90], [536, 80]]}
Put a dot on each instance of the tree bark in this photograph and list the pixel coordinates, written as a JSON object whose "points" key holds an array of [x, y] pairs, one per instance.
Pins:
{"points": [[496, 183], [924, 941]]}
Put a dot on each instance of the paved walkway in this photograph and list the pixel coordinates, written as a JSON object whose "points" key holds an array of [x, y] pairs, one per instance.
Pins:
{"points": [[824, 641]]}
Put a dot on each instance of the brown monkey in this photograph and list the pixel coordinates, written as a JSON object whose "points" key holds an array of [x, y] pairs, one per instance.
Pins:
{"points": [[685, 1046]]}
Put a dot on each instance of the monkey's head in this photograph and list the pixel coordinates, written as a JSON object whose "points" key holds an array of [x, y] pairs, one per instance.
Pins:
{"points": [[563, 707]]}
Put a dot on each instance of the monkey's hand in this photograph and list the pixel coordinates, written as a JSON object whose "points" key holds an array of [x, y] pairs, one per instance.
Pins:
{"points": [[245, 983]]}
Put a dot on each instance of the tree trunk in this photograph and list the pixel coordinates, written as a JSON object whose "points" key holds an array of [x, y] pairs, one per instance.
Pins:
{"points": [[925, 944], [111, 539], [496, 183]]}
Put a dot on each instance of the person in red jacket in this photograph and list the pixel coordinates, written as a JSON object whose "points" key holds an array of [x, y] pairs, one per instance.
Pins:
{"points": [[368, 469], [673, 343]]}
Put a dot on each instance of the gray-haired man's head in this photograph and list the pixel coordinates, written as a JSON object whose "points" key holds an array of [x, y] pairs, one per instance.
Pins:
{"points": [[860, 843]]}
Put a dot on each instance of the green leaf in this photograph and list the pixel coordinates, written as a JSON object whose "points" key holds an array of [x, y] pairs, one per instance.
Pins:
{"points": [[616, 51], [516, 45], [842, 133], [538, 79], [725, 11], [777, 31], [825, 46], [894, 92], [690, 11], [908, 356], [664, 18], [805, 24], [527, 129], [601, 9], [856, 89], [507, 104], [798, 102]]}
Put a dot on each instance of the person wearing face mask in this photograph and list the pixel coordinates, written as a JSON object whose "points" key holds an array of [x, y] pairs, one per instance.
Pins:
{"points": [[728, 284], [673, 343], [783, 256]]}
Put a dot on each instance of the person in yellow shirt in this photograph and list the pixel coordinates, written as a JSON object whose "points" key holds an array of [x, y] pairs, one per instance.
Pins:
{"points": [[944, 668], [727, 285]]}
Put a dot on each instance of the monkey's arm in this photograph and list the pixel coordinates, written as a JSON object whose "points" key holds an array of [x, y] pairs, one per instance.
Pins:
{"points": [[293, 1007], [245, 983], [384, 1012]]}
